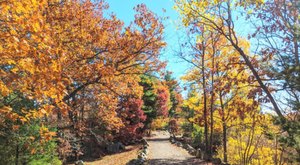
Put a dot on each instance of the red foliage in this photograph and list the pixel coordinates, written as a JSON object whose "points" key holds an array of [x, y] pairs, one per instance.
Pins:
{"points": [[132, 115], [163, 100]]}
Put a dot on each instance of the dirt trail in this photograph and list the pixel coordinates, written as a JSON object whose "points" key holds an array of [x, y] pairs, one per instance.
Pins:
{"points": [[162, 152]]}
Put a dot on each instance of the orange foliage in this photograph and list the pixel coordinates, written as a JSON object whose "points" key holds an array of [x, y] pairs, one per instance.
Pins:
{"points": [[50, 51]]}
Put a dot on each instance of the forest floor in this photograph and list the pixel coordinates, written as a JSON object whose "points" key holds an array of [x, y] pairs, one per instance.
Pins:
{"points": [[121, 158], [162, 152]]}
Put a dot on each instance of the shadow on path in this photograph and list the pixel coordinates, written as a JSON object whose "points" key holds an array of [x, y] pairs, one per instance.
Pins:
{"points": [[190, 161], [158, 139]]}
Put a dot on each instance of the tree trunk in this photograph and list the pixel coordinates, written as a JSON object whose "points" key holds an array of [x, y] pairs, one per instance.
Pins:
{"points": [[212, 104], [82, 108], [225, 141], [296, 50], [259, 80], [17, 154], [224, 130], [204, 104]]}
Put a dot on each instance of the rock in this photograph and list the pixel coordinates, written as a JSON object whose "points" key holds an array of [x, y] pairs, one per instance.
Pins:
{"points": [[216, 161], [143, 159], [193, 152], [144, 142], [115, 147], [79, 162], [180, 145], [185, 146], [173, 141], [145, 147], [199, 153], [189, 147], [135, 162], [142, 155], [121, 146], [146, 151]]}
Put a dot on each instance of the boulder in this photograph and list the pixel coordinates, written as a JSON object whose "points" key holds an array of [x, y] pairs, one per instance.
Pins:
{"points": [[199, 153], [180, 145], [173, 141], [142, 156], [121, 146], [144, 142], [188, 147], [79, 162], [185, 146], [135, 162], [145, 147], [193, 152], [146, 151], [115, 147]]}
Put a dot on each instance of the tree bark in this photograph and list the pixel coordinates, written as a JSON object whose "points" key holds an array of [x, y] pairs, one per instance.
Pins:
{"points": [[224, 129], [204, 102], [212, 103], [296, 50], [17, 154], [259, 80]]}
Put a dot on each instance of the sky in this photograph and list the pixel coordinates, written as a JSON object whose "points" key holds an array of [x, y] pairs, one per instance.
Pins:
{"points": [[124, 11]]}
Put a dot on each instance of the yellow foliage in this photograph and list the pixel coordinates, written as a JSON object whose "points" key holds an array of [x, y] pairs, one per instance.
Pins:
{"points": [[247, 143], [159, 123]]}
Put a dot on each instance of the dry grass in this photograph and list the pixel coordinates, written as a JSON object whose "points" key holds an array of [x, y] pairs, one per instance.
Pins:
{"points": [[122, 158]]}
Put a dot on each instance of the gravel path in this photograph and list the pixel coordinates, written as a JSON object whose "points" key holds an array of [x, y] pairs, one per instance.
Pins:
{"points": [[162, 152]]}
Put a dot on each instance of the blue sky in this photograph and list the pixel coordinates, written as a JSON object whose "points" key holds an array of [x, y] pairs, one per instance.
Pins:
{"points": [[124, 11]]}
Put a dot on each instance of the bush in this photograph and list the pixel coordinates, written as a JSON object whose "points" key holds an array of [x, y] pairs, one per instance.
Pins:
{"points": [[197, 136]]}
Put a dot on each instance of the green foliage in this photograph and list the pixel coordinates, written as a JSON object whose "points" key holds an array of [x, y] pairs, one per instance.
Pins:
{"points": [[25, 146], [48, 156], [173, 86], [21, 142], [197, 135], [291, 141], [149, 97]]}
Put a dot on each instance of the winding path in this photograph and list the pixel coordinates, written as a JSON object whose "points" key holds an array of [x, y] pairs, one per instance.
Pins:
{"points": [[162, 152]]}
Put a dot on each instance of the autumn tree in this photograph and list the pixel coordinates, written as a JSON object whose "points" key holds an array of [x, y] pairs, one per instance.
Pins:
{"points": [[162, 101], [237, 97], [275, 21], [247, 143], [25, 142], [64, 54], [280, 24], [218, 16], [231, 90], [202, 60], [133, 117], [94, 53]]}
